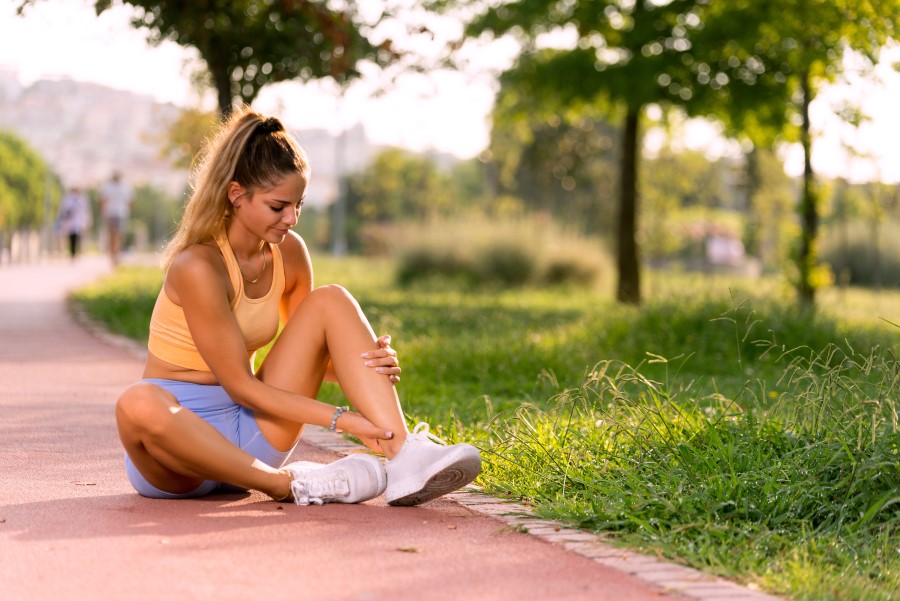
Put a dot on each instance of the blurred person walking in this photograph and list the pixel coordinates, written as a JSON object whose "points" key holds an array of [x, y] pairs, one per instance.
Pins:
{"points": [[74, 218], [115, 207]]}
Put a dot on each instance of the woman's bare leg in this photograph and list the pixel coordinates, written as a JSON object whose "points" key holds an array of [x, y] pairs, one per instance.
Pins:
{"points": [[329, 324], [175, 450]]}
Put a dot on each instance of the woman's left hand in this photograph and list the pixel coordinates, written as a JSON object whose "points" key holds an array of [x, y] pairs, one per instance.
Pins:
{"points": [[384, 360]]}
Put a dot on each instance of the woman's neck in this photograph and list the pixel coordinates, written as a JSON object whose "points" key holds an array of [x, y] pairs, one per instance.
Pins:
{"points": [[244, 245]]}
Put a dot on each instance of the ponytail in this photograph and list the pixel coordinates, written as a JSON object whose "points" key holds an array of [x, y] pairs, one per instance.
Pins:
{"points": [[251, 149]]}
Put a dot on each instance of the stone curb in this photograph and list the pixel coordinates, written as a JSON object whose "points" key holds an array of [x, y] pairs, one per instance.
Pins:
{"points": [[132, 347], [670, 578]]}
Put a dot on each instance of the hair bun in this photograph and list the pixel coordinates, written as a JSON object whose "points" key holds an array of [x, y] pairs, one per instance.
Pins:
{"points": [[270, 125]]}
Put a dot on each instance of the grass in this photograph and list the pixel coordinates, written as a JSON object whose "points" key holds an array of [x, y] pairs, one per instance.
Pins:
{"points": [[716, 425]]}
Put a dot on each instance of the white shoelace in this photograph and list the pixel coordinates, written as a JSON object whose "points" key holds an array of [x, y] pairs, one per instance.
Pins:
{"points": [[311, 488], [421, 433]]}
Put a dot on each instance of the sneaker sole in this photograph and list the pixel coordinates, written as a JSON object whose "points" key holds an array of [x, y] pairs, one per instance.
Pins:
{"points": [[452, 477]]}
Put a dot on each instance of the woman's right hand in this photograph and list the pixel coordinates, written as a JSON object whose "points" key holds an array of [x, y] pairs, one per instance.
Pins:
{"points": [[355, 424]]}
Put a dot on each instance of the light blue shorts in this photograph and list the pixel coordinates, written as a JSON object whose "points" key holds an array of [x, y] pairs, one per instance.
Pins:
{"points": [[234, 422]]}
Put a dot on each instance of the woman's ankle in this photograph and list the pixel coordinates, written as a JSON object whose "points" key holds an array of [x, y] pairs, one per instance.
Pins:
{"points": [[282, 490]]}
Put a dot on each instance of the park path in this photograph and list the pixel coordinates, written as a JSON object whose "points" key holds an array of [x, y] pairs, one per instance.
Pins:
{"points": [[71, 527]]}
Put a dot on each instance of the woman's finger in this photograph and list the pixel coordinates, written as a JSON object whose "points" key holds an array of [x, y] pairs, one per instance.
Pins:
{"points": [[360, 427], [380, 353]]}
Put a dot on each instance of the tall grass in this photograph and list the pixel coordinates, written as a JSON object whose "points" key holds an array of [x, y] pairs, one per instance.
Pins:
{"points": [[795, 487]]}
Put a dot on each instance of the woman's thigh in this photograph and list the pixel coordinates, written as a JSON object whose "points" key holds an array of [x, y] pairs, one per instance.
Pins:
{"points": [[140, 410], [212, 404]]}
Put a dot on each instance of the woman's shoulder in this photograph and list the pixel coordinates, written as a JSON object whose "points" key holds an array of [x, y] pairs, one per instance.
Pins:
{"points": [[200, 264], [297, 263], [293, 249]]}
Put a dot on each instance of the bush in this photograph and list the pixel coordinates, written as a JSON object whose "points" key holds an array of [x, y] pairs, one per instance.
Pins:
{"points": [[506, 254], [856, 258]]}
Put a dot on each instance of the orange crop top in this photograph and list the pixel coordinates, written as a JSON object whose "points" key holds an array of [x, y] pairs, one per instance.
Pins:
{"points": [[170, 339]]}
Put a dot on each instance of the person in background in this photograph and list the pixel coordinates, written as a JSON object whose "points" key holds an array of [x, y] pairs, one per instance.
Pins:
{"points": [[202, 419], [74, 218], [115, 207]]}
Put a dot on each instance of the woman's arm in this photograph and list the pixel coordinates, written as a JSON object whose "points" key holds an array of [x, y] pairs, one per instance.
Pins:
{"points": [[198, 281], [299, 282]]}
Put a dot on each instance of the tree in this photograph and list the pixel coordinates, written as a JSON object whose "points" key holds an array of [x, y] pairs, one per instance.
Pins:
{"points": [[247, 44], [396, 186], [628, 54], [184, 138], [29, 191], [154, 214], [561, 163], [774, 59]]}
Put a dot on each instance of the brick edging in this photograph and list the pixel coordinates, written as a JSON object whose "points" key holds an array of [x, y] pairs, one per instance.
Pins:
{"points": [[670, 578], [98, 330]]}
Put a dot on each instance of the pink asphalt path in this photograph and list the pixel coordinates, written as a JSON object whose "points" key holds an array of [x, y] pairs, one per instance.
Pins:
{"points": [[71, 527]]}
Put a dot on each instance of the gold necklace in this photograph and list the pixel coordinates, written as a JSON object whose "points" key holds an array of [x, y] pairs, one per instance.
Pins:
{"points": [[261, 271]]}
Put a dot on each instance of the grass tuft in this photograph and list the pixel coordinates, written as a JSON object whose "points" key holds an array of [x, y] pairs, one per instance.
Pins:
{"points": [[769, 492]]}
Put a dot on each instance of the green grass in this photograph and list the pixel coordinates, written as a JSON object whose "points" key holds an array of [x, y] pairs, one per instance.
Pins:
{"points": [[717, 425], [123, 301]]}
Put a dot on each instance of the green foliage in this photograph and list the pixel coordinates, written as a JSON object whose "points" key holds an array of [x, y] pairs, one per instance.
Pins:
{"points": [[787, 55], [864, 253], [154, 214], [496, 254], [399, 186], [680, 237], [627, 55], [558, 162], [29, 192], [684, 179], [248, 44], [185, 137], [122, 301]]}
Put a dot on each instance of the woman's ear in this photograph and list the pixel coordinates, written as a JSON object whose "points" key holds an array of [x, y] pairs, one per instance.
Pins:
{"points": [[234, 191]]}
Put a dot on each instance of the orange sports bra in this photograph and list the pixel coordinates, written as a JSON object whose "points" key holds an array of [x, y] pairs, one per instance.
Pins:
{"points": [[170, 339]]}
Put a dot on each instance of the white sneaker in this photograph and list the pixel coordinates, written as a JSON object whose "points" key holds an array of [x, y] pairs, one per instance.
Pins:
{"points": [[352, 479], [426, 468]]}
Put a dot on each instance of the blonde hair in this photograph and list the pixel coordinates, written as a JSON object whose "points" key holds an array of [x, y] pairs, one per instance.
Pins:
{"points": [[251, 149]]}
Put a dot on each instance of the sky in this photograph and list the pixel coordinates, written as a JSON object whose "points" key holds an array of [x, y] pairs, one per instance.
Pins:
{"points": [[446, 111]]}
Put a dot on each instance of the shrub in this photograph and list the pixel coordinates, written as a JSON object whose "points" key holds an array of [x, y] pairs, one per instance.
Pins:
{"points": [[858, 259], [490, 253]]}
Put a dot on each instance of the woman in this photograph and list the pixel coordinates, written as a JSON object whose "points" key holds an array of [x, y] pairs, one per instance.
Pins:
{"points": [[201, 420]]}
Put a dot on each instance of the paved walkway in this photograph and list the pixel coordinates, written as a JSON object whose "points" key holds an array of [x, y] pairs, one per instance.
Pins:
{"points": [[71, 526]]}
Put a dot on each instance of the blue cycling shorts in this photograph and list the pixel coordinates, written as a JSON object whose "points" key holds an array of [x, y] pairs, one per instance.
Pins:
{"points": [[234, 422]]}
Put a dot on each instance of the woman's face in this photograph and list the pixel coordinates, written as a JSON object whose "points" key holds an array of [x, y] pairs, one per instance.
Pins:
{"points": [[270, 213]]}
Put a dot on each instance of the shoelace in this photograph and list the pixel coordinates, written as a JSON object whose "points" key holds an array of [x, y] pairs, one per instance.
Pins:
{"points": [[421, 433], [311, 488]]}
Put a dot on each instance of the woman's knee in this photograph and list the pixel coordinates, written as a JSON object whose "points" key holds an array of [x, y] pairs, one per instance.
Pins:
{"points": [[330, 295], [144, 406]]}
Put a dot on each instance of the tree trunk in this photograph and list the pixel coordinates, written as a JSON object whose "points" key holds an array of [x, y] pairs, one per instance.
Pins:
{"points": [[809, 211], [753, 184], [222, 79], [629, 285]]}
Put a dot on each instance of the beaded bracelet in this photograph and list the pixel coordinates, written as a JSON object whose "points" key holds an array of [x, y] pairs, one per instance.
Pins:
{"points": [[335, 417]]}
